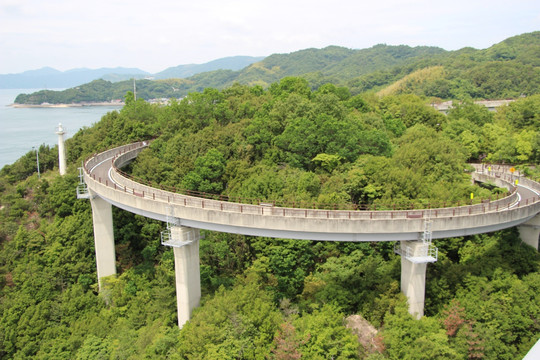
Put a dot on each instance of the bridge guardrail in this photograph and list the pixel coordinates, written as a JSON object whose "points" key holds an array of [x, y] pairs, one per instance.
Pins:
{"points": [[123, 183], [97, 158]]}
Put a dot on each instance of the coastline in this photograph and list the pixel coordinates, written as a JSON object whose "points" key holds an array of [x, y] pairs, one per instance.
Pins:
{"points": [[46, 105]]}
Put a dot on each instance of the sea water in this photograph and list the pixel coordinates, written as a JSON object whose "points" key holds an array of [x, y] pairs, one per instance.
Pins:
{"points": [[21, 129]]}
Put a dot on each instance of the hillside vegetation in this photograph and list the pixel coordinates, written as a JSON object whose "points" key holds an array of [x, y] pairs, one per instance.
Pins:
{"points": [[269, 298], [508, 69], [184, 71]]}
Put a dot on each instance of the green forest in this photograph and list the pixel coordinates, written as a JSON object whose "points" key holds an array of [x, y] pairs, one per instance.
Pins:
{"points": [[316, 141], [269, 298], [508, 69]]}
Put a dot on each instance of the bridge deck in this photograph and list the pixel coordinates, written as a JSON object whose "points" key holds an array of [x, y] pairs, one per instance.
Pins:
{"points": [[104, 180]]}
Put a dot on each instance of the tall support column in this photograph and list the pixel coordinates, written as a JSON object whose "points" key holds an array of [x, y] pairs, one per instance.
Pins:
{"points": [[187, 271], [61, 150], [529, 232], [103, 238], [413, 277]]}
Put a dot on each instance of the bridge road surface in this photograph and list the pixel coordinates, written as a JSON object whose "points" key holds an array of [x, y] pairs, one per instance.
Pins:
{"points": [[311, 224]]}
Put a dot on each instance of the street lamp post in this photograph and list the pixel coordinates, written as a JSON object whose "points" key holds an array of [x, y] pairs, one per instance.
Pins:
{"points": [[60, 131], [37, 161]]}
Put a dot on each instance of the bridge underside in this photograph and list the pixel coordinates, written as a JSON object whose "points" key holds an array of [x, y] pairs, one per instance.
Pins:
{"points": [[320, 236]]}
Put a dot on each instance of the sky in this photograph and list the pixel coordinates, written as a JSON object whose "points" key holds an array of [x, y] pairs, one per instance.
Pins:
{"points": [[153, 35]]}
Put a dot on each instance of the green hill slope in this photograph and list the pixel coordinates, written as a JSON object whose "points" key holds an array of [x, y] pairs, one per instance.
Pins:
{"points": [[507, 69], [230, 63]]}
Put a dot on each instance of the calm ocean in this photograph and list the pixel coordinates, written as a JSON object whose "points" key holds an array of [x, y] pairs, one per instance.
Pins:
{"points": [[23, 128]]}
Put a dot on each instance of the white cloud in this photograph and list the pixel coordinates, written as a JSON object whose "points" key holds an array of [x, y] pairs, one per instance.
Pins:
{"points": [[155, 35]]}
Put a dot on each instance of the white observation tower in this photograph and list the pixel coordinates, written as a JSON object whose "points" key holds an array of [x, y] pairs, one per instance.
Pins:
{"points": [[60, 131]]}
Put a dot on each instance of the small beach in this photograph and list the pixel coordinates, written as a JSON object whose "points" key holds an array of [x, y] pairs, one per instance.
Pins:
{"points": [[82, 104]]}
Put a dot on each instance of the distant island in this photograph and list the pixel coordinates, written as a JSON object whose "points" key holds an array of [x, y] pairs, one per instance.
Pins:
{"points": [[48, 77], [506, 70], [48, 105]]}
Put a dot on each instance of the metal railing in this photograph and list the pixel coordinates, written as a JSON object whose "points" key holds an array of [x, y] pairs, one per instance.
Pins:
{"points": [[129, 184], [82, 192], [425, 253], [82, 188], [168, 239]]}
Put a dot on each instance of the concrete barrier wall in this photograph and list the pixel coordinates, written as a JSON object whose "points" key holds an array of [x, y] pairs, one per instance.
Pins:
{"points": [[243, 218], [333, 226], [190, 201], [97, 158]]}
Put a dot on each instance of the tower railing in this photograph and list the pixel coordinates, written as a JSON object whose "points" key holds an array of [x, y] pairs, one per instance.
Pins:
{"points": [[425, 253], [82, 188], [168, 237]]}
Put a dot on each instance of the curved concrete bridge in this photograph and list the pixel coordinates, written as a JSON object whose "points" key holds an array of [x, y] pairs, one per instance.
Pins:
{"points": [[185, 215]]}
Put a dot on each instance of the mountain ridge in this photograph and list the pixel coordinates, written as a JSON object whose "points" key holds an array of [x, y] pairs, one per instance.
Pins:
{"points": [[228, 63], [48, 77], [507, 69]]}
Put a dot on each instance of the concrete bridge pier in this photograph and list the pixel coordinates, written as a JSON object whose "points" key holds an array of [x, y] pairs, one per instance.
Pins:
{"points": [[530, 231], [103, 237], [413, 276], [187, 270]]}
